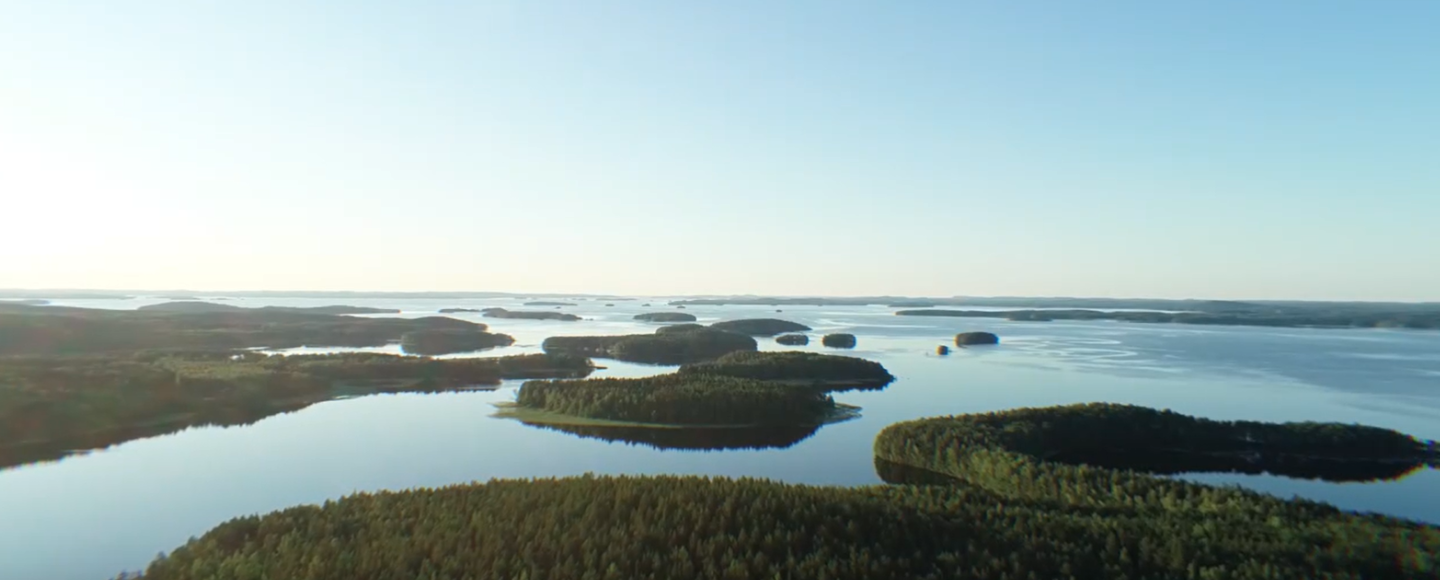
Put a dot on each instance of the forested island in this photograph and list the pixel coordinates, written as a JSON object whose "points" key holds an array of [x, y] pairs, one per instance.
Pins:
{"points": [[665, 317], [50, 405], [792, 340], [760, 326], [458, 310], [979, 511], [668, 345], [195, 307], [57, 330], [451, 340], [838, 340], [830, 372], [528, 314], [976, 338], [548, 303], [1279, 317], [675, 400], [1067, 440]]}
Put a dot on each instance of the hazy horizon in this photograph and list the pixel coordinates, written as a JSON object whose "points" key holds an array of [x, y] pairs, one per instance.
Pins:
{"points": [[1221, 150]]}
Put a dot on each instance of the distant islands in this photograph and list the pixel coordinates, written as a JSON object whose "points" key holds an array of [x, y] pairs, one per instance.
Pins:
{"points": [[760, 326], [458, 310], [745, 389], [197, 307], [528, 314], [838, 340], [1279, 318], [975, 338], [792, 340], [547, 303], [665, 317], [440, 341], [668, 345]]}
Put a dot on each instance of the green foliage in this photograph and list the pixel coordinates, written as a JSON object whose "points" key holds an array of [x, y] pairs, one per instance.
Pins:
{"points": [[660, 348], [451, 340], [681, 399], [838, 340], [974, 338], [760, 326], [680, 328], [529, 314], [796, 367], [722, 529], [54, 330], [792, 339], [1155, 526], [665, 317], [50, 405]]}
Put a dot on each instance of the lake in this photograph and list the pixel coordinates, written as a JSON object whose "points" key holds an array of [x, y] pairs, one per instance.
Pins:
{"points": [[91, 516]]}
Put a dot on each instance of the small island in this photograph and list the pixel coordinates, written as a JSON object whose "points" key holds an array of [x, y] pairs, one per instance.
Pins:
{"points": [[760, 326], [528, 314], [839, 340], [666, 346], [792, 339], [458, 310], [665, 317], [976, 338], [451, 340], [547, 303]]}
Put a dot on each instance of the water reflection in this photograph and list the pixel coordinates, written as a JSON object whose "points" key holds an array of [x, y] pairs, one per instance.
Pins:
{"points": [[692, 438], [1171, 462]]}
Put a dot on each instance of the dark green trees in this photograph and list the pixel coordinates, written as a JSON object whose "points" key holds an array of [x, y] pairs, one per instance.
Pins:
{"points": [[666, 346], [760, 326], [793, 339], [448, 340], [839, 340], [975, 338], [805, 368]]}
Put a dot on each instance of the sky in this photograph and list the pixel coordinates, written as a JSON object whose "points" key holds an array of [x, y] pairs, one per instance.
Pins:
{"points": [[1217, 149]]}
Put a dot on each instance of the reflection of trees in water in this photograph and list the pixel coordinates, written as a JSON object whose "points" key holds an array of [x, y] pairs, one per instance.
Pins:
{"points": [[1172, 462], [693, 438], [1175, 463], [56, 449]]}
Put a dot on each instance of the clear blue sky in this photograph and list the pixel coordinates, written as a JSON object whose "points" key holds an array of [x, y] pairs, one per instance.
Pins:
{"points": [[1228, 149]]}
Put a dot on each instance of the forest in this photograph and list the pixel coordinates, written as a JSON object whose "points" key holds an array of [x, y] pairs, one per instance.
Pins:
{"points": [[528, 314], [821, 370], [734, 529], [58, 330], [1414, 318], [681, 399], [663, 347], [665, 317], [451, 340], [50, 405], [760, 326]]}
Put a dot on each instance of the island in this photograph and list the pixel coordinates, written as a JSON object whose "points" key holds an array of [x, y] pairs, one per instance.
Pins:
{"points": [[976, 338], [1018, 519], [825, 371], [63, 330], [665, 346], [547, 303], [201, 307], [671, 400], [665, 317], [451, 340], [680, 328], [1062, 443], [458, 310], [528, 314], [55, 405], [1417, 318], [792, 339], [839, 340], [760, 326]]}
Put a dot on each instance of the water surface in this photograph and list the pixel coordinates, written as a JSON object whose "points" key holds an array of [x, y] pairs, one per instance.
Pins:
{"points": [[93, 515]]}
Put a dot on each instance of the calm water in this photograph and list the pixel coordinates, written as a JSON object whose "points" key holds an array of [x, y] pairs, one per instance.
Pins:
{"points": [[91, 516]]}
